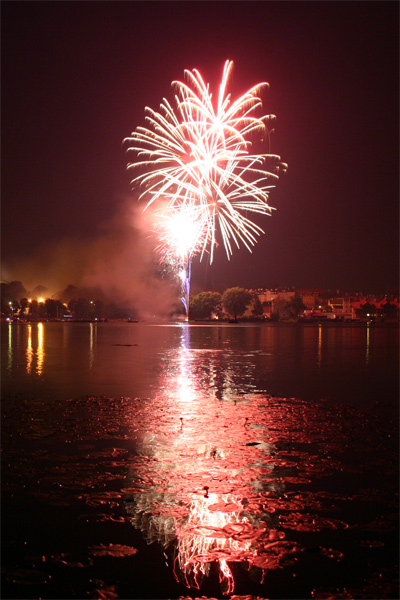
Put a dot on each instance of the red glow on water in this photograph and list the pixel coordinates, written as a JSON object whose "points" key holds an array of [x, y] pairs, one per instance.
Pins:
{"points": [[207, 468], [212, 533]]}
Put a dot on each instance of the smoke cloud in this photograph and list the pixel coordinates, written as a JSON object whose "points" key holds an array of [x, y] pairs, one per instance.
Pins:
{"points": [[120, 261]]}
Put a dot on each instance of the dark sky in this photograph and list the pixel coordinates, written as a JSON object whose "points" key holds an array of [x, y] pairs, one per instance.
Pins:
{"points": [[77, 75]]}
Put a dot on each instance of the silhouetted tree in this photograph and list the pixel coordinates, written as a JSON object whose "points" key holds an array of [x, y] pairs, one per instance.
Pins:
{"points": [[296, 305], [54, 309], [204, 304], [36, 310], [24, 304], [235, 301], [70, 292], [83, 309], [257, 307], [14, 290], [281, 309]]}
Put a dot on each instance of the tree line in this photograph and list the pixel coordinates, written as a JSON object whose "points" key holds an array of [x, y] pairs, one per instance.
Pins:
{"points": [[74, 302], [235, 302]]}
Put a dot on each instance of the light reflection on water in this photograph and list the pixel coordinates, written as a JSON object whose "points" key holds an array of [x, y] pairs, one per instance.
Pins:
{"points": [[67, 359], [34, 350], [29, 351], [40, 349], [92, 343], [216, 470], [319, 345], [208, 468], [10, 348]]}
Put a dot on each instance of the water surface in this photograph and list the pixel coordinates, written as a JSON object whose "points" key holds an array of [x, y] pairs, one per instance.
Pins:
{"points": [[168, 461]]}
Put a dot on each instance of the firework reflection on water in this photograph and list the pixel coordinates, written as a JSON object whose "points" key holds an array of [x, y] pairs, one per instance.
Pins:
{"points": [[205, 472], [215, 449]]}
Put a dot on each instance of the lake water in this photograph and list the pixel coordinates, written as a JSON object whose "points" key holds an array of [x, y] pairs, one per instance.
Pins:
{"points": [[183, 461]]}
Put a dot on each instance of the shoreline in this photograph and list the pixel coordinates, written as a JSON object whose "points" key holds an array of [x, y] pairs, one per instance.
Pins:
{"points": [[329, 323], [221, 322]]}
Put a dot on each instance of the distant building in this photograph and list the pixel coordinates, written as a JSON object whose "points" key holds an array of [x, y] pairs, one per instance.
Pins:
{"points": [[309, 297], [319, 305], [385, 309], [341, 307]]}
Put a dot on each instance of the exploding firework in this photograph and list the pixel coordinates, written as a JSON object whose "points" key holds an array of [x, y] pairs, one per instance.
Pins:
{"points": [[179, 229], [196, 161]]}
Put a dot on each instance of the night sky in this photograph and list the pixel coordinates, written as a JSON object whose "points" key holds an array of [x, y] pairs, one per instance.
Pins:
{"points": [[76, 77]]}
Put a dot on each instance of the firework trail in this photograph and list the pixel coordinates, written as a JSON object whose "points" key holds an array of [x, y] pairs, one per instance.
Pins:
{"points": [[196, 161], [178, 231]]}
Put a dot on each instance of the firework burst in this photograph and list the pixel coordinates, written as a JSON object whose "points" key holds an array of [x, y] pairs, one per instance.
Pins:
{"points": [[196, 162], [197, 158]]}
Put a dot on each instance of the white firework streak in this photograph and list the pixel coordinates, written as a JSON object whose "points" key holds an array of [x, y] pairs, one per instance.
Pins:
{"points": [[196, 159]]}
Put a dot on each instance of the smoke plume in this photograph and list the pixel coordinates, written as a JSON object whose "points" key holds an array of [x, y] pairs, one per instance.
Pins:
{"points": [[120, 261]]}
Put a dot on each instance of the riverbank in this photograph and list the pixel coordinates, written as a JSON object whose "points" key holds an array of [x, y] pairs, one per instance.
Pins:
{"points": [[223, 322]]}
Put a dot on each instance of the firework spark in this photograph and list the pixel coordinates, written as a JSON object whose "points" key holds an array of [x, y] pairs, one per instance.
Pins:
{"points": [[196, 162], [178, 229], [197, 158]]}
